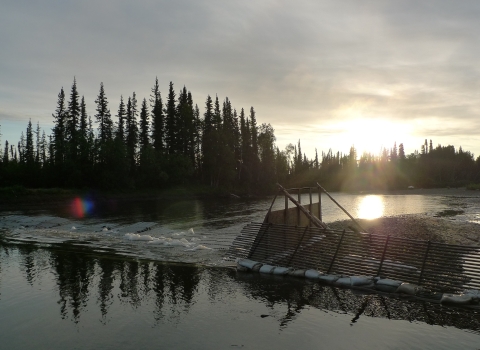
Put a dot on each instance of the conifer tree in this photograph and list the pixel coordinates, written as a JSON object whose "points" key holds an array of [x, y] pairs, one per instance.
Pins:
{"points": [[394, 153], [158, 122], [254, 131], [144, 124], [58, 143], [228, 125], [103, 117], [401, 152], [197, 138], [184, 116], [5, 153], [83, 119], [91, 143], [72, 122], [21, 148], [43, 149], [236, 141], [171, 122], [207, 142], [245, 140], [217, 116], [85, 147], [266, 141], [192, 129], [121, 116], [131, 137]]}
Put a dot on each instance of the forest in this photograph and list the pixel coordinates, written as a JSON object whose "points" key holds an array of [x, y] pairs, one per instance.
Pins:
{"points": [[158, 144]]}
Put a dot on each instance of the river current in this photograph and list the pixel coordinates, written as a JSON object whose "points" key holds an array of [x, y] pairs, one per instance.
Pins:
{"points": [[98, 273]]}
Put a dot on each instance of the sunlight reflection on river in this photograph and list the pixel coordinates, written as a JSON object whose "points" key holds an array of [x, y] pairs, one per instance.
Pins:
{"points": [[370, 207]]}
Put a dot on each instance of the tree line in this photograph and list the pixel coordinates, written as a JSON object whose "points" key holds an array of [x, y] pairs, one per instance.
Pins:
{"points": [[147, 144], [157, 144], [391, 169]]}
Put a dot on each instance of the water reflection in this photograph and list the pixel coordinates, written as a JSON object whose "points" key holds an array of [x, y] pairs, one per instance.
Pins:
{"points": [[88, 283], [299, 295], [370, 207]]}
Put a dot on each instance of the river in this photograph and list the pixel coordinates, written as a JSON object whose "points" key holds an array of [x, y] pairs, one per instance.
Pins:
{"points": [[100, 273]]}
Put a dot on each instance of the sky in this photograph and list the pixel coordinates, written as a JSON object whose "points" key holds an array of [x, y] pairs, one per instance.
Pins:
{"points": [[333, 74]]}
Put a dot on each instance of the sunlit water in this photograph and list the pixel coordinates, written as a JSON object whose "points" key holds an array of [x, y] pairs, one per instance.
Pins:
{"points": [[71, 277]]}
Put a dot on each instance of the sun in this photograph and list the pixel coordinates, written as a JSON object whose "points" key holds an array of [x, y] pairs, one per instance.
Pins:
{"points": [[372, 135]]}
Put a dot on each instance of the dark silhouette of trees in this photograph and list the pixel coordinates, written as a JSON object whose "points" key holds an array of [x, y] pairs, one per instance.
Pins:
{"points": [[171, 122], [132, 134], [158, 119], [59, 139], [177, 143]]}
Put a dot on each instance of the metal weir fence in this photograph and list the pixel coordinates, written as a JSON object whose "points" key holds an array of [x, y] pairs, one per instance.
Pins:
{"points": [[437, 266]]}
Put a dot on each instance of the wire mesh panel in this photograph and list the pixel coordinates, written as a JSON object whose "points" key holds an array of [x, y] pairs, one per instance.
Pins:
{"points": [[443, 267]]}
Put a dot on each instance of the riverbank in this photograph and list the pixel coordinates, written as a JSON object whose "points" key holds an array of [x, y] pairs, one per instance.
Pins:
{"points": [[421, 227]]}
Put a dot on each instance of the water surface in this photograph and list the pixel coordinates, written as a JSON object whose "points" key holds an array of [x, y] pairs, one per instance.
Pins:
{"points": [[73, 278]]}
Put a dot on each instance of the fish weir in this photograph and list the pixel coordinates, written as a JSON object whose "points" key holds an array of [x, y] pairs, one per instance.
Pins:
{"points": [[296, 238]]}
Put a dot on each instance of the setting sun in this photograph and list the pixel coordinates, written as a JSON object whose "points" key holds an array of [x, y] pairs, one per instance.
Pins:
{"points": [[371, 135]]}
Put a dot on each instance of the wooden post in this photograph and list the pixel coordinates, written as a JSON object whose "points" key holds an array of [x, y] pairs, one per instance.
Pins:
{"points": [[299, 195], [320, 204], [346, 212], [310, 207], [383, 255], [298, 246], [270, 209], [336, 252], [315, 221], [424, 262]]}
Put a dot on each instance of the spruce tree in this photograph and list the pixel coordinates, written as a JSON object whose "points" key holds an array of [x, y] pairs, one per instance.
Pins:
{"points": [[83, 120], [58, 143], [266, 141], [254, 131], [197, 138], [43, 149], [103, 117], [21, 148], [208, 155], [401, 152], [217, 115], [5, 154], [73, 116], [171, 122], [121, 116], [144, 126], [131, 137], [158, 122], [184, 122], [85, 162], [191, 129]]}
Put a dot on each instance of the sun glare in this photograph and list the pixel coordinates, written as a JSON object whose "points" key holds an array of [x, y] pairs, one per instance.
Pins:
{"points": [[370, 207], [372, 135]]}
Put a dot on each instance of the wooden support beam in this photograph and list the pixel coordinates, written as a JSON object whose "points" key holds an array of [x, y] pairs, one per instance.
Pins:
{"points": [[314, 220], [344, 210]]}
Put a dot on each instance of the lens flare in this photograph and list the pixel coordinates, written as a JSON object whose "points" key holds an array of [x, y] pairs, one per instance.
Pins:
{"points": [[371, 207], [81, 207]]}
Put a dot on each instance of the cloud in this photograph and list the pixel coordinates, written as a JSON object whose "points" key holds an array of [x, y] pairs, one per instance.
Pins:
{"points": [[298, 63]]}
